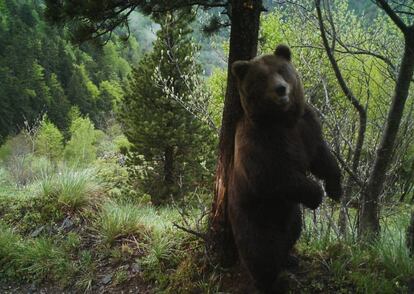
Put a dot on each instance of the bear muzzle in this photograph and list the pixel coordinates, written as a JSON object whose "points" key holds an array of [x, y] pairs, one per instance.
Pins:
{"points": [[284, 100]]}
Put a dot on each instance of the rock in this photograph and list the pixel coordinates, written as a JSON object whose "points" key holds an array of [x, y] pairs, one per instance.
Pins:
{"points": [[106, 279], [136, 268], [37, 232], [67, 224]]}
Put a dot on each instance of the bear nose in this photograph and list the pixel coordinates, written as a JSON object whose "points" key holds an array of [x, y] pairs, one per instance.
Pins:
{"points": [[280, 90]]}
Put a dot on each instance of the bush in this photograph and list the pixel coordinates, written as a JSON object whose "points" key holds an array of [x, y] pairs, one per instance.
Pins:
{"points": [[81, 149], [115, 180], [49, 141]]}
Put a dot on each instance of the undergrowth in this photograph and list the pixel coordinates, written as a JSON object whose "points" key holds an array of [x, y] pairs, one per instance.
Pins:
{"points": [[64, 227]]}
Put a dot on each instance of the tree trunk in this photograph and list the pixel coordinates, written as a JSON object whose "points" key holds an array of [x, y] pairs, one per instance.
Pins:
{"points": [[245, 20], [369, 214], [168, 171]]}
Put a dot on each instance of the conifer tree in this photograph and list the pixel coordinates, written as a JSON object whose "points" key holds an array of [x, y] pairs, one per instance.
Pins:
{"points": [[156, 116]]}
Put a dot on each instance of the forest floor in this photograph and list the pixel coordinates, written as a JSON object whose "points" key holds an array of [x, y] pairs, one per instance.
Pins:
{"points": [[72, 233], [310, 277]]}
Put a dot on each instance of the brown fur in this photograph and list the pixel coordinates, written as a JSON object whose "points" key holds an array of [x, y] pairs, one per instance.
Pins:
{"points": [[277, 142]]}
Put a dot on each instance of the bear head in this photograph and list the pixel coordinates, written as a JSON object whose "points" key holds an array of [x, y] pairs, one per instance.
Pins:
{"points": [[270, 88]]}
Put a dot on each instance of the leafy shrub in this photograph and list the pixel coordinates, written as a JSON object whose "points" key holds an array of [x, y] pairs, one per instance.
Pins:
{"points": [[81, 148], [122, 144], [115, 180], [49, 140]]}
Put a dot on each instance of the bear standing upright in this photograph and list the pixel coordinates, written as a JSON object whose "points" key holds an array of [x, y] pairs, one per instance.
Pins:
{"points": [[278, 141]]}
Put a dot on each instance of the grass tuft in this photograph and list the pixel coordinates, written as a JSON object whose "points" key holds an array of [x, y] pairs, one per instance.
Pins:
{"points": [[73, 189], [32, 259], [118, 220]]}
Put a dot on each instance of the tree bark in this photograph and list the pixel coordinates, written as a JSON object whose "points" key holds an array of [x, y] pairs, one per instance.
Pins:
{"points": [[369, 215], [245, 20]]}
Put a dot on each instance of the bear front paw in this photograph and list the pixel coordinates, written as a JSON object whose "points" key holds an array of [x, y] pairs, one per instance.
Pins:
{"points": [[314, 198], [314, 204], [333, 190]]}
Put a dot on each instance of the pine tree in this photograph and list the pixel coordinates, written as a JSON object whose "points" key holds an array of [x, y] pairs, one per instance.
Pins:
{"points": [[83, 92], [156, 116]]}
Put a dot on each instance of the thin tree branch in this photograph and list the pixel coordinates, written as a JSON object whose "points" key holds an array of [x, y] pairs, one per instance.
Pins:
{"points": [[392, 14], [190, 231], [345, 166]]}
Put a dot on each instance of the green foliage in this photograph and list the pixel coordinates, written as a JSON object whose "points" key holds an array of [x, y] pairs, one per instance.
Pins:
{"points": [[119, 220], [217, 84], [169, 140], [163, 253], [382, 267], [87, 269], [41, 72], [18, 145], [82, 91], [49, 141], [32, 259], [111, 95], [27, 210], [81, 148], [113, 143], [72, 189], [49, 198]]}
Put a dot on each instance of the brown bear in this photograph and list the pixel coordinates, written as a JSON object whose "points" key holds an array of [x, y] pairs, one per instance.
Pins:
{"points": [[278, 141]]}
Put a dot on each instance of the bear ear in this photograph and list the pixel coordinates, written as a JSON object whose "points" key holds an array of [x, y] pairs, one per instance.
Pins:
{"points": [[284, 52], [239, 69]]}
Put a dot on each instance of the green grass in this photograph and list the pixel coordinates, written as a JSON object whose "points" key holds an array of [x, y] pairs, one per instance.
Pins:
{"points": [[77, 188], [118, 220], [172, 261], [73, 189], [163, 251], [384, 266], [49, 199], [32, 259], [391, 249]]}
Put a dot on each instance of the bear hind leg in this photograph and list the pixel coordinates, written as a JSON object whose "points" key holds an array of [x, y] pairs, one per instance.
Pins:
{"points": [[264, 260]]}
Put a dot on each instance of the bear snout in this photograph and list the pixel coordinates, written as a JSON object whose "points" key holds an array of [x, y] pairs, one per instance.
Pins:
{"points": [[284, 100], [280, 90]]}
